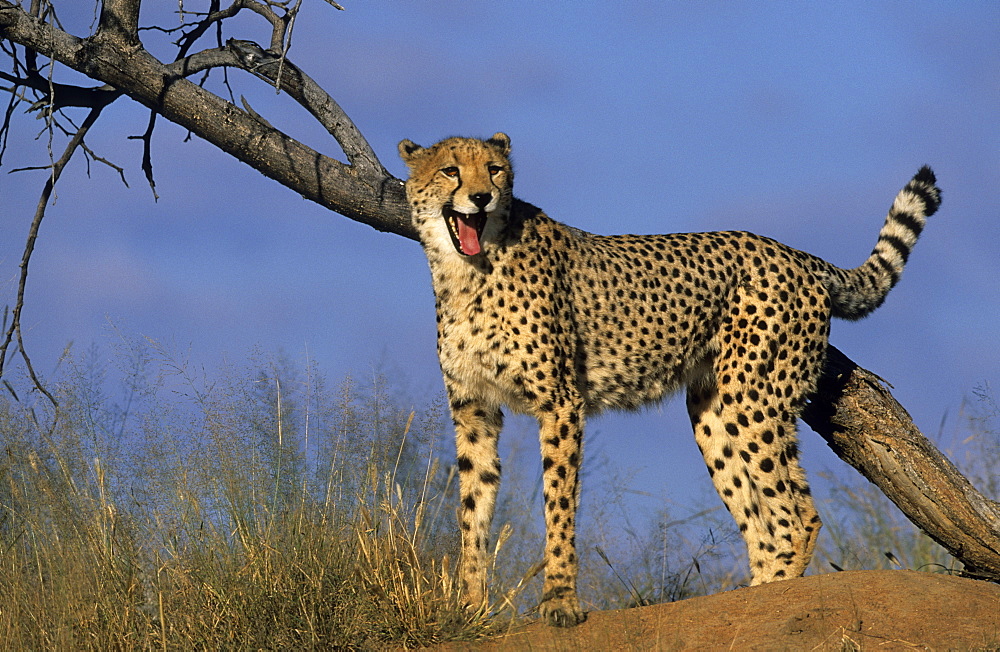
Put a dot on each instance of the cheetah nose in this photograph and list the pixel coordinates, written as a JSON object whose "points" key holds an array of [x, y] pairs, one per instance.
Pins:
{"points": [[481, 199]]}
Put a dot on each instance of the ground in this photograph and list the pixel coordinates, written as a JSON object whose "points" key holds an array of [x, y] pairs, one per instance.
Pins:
{"points": [[858, 610]]}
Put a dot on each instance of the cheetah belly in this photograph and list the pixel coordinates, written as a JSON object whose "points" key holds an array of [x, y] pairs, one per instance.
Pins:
{"points": [[634, 381]]}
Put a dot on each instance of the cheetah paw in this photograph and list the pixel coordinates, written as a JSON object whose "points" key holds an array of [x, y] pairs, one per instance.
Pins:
{"points": [[562, 612]]}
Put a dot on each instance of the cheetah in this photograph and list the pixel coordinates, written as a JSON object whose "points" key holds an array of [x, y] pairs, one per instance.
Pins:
{"points": [[560, 324]]}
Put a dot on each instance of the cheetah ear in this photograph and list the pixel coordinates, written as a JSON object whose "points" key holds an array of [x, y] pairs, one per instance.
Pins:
{"points": [[409, 151], [502, 141]]}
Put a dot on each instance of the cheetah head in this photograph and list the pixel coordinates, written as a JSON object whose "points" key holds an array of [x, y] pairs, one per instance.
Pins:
{"points": [[460, 186]]}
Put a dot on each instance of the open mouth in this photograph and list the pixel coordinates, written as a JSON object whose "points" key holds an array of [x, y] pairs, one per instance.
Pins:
{"points": [[465, 230]]}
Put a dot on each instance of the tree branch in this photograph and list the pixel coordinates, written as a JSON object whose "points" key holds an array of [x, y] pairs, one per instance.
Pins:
{"points": [[360, 193], [312, 98], [58, 96], [865, 426], [14, 330], [119, 23]]}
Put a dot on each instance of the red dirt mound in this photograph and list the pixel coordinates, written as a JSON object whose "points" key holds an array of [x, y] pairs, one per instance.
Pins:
{"points": [[859, 610]]}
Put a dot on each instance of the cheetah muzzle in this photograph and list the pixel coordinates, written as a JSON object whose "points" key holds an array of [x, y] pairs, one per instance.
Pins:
{"points": [[560, 324], [465, 229]]}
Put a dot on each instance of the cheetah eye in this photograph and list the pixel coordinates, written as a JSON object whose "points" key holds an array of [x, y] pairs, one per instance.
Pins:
{"points": [[450, 171], [494, 170]]}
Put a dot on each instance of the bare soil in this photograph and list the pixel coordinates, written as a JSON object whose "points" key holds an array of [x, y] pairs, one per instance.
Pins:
{"points": [[857, 610]]}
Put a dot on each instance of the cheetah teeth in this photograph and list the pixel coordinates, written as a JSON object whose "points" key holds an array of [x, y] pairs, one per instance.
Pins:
{"points": [[465, 230]]}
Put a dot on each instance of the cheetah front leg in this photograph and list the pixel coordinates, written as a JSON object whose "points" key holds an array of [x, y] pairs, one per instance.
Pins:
{"points": [[477, 430], [561, 441]]}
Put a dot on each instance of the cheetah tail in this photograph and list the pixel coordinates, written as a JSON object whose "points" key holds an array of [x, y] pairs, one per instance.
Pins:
{"points": [[856, 292]]}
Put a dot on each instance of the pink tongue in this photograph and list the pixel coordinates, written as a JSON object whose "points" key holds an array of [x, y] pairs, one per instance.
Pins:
{"points": [[467, 237]]}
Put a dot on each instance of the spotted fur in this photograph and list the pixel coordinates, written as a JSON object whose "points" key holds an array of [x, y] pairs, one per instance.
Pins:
{"points": [[560, 324]]}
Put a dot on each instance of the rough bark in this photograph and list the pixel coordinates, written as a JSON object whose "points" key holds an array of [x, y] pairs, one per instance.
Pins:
{"points": [[865, 426], [355, 191]]}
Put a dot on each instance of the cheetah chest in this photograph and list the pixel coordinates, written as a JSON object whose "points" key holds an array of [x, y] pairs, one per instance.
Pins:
{"points": [[480, 351]]}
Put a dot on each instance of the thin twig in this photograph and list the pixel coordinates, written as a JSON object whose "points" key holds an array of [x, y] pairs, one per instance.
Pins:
{"points": [[14, 330], [147, 153], [91, 154]]}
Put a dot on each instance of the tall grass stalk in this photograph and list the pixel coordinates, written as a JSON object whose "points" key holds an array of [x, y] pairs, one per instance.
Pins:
{"points": [[211, 523]]}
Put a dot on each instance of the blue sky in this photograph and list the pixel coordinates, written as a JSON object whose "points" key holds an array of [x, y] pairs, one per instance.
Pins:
{"points": [[799, 121]]}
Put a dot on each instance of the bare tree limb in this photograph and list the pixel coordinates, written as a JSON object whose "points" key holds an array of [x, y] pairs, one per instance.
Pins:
{"points": [[60, 96], [864, 425], [147, 153], [119, 23], [355, 192], [14, 330], [313, 99]]}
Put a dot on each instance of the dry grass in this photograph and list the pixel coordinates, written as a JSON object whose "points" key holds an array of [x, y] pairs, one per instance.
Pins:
{"points": [[215, 522], [266, 510]]}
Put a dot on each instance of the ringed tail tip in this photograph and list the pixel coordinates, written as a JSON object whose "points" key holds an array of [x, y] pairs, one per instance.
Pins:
{"points": [[924, 185]]}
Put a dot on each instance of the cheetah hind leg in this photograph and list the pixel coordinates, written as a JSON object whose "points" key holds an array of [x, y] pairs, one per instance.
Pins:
{"points": [[806, 510], [753, 462]]}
